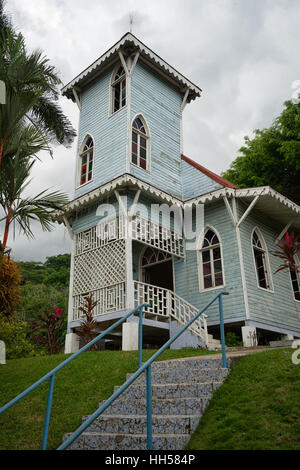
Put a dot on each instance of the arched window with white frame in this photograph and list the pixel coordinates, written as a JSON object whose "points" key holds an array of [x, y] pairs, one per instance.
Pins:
{"points": [[211, 261], [86, 160], [295, 279], [140, 143], [261, 260], [118, 89]]}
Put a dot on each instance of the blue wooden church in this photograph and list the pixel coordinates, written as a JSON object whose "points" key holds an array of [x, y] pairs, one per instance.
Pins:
{"points": [[130, 169]]}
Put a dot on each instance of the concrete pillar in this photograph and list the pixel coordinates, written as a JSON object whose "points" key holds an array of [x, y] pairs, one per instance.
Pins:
{"points": [[249, 336], [130, 336], [71, 343]]}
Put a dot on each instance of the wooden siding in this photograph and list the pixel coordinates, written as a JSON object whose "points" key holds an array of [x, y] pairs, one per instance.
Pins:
{"points": [[278, 308], [186, 272], [159, 103], [109, 133], [194, 182]]}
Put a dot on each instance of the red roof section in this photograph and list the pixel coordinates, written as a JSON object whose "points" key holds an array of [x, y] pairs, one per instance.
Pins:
{"points": [[209, 173]]}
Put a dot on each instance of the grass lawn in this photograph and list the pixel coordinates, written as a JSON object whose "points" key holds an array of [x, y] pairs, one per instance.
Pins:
{"points": [[258, 406], [78, 389]]}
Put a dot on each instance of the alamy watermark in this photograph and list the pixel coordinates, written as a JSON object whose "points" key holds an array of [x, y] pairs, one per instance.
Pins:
{"points": [[296, 354], [187, 222]]}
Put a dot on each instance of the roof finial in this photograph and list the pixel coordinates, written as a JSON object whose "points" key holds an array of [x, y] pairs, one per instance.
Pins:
{"points": [[131, 21]]}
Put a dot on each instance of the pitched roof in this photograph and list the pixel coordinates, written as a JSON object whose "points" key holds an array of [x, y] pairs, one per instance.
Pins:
{"points": [[210, 174], [130, 43]]}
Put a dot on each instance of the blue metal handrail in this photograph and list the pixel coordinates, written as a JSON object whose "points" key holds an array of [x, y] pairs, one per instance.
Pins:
{"points": [[147, 367], [50, 375]]}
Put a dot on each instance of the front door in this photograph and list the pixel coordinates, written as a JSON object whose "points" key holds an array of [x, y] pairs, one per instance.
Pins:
{"points": [[157, 268]]}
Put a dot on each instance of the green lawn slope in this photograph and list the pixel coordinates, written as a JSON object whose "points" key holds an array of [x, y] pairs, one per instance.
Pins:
{"points": [[78, 388], [257, 407]]}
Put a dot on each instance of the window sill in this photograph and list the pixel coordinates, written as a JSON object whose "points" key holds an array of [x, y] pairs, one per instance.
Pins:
{"points": [[84, 184], [139, 167], [211, 288], [110, 114], [271, 291]]}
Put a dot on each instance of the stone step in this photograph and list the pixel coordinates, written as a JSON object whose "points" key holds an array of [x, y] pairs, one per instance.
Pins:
{"points": [[169, 375], [107, 441], [168, 406], [191, 363], [176, 390], [132, 424]]}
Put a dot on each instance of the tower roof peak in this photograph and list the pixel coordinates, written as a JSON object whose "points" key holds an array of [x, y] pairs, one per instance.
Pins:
{"points": [[129, 44]]}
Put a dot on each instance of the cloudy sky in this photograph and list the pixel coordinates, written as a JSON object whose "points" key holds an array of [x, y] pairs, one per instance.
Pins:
{"points": [[243, 54]]}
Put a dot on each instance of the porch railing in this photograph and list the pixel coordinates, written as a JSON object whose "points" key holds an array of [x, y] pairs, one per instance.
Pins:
{"points": [[166, 303]]}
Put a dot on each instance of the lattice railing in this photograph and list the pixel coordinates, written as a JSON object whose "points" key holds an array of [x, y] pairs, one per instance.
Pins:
{"points": [[140, 229], [166, 303], [110, 299], [154, 234]]}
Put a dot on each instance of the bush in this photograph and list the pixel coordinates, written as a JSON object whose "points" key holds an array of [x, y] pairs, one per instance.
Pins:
{"points": [[13, 333], [10, 279], [49, 329], [232, 339]]}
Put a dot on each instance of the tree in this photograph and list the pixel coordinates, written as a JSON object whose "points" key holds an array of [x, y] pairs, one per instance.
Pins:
{"points": [[31, 92], [21, 210], [10, 279], [272, 156]]}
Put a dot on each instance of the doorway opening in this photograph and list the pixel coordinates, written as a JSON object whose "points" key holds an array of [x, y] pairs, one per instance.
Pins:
{"points": [[156, 268]]}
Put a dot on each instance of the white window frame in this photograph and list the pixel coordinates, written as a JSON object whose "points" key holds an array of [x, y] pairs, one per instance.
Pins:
{"points": [[148, 143], [79, 161], [113, 82], [200, 260], [298, 277], [267, 267]]}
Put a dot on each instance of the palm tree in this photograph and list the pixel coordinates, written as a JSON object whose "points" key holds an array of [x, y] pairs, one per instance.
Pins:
{"points": [[14, 180], [31, 90]]}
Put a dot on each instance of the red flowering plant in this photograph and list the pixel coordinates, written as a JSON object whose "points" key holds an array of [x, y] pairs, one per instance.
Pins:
{"points": [[47, 330], [288, 249], [88, 327]]}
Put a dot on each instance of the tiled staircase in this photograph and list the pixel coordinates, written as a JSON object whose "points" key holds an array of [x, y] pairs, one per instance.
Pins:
{"points": [[181, 390]]}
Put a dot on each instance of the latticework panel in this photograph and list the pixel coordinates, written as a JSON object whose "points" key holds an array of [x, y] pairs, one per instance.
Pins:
{"points": [[99, 267], [99, 235], [110, 299]]}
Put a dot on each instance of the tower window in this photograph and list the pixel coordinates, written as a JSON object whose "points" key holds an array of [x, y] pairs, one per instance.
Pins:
{"points": [[140, 142], [87, 161], [261, 261], [211, 261], [118, 89]]}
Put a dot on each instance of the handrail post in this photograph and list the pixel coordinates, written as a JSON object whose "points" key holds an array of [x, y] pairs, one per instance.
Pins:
{"points": [[224, 362], [140, 336], [149, 408], [48, 413]]}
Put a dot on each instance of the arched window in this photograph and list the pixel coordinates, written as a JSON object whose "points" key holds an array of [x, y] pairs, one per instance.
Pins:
{"points": [[140, 143], [295, 278], [211, 264], [152, 256], [118, 89], [261, 260], [86, 160]]}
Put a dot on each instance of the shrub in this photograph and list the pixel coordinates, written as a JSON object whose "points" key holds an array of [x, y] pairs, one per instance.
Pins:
{"points": [[13, 333], [88, 327], [36, 299], [232, 339], [47, 330], [10, 279]]}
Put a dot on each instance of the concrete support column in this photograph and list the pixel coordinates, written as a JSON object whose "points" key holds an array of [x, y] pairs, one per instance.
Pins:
{"points": [[249, 336], [130, 336], [71, 343]]}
